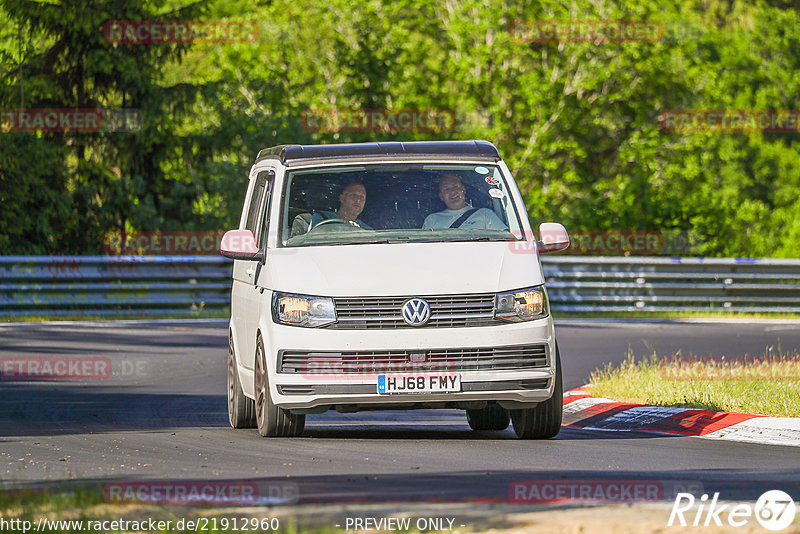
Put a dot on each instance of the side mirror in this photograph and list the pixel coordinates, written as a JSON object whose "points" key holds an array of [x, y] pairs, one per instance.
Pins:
{"points": [[554, 238], [240, 245]]}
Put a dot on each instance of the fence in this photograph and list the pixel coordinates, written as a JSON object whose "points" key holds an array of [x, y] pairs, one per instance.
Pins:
{"points": [[147, 285], [602, 283], [112, 285]]}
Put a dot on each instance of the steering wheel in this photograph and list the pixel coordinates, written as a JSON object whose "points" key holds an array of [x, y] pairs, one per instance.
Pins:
{"points": [[336, 220]]}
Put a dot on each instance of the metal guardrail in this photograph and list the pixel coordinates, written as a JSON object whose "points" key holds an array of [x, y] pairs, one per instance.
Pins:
{"points": [[602, 283], [146, 285], [113, 285]]}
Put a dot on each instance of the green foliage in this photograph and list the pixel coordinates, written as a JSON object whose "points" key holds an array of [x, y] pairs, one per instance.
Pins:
{"points": [[35, 203], [578, 122]]}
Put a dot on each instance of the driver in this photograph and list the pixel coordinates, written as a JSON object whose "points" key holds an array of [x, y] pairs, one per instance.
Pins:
{"points": [[351, 204]]}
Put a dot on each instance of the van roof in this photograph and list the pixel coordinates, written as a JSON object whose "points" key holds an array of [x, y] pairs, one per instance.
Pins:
{"points": [[481, 150]]}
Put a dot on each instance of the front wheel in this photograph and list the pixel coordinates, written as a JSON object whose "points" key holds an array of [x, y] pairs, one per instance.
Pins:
{"points": [[241, 410], [544, 420], [271, 420]]}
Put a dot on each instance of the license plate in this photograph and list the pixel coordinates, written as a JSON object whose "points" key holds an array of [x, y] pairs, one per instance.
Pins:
{"points": [[427, 383]]}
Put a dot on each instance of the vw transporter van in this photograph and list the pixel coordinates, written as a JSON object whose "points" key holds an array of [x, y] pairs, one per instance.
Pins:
{"points": [[392, 276]]}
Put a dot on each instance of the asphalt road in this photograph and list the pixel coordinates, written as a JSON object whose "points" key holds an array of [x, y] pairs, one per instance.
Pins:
{"points": [[161, 415]]}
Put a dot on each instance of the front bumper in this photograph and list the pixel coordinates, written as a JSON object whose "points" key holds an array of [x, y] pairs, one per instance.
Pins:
{"points": [[309, 388]]}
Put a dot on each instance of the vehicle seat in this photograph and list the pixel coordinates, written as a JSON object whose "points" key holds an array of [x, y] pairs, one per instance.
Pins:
{"points": [[300, 224]]}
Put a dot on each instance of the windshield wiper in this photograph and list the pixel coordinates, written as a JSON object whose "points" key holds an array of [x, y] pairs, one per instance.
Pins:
{"points": [[415, 239], [479, 239]]}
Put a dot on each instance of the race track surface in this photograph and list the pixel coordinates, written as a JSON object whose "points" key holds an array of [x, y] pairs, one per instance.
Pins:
{"points": [[162, 416]]}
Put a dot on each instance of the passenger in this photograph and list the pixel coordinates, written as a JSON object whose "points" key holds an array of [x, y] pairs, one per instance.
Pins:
{"points": [[351, 204], [458, 214]]}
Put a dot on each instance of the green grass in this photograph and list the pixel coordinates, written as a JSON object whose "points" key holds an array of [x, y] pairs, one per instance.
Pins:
{"points": [[88, 504], [674, 315], [225, 313], [767, 385], [215, 314]]}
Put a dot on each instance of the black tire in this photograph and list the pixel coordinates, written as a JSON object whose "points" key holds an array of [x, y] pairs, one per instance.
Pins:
{"points": [[241, 410], [543, 421], [492, 417], [271, 420]]}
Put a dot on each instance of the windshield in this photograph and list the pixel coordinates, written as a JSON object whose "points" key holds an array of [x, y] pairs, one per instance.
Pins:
{"points": [[397, 202]]}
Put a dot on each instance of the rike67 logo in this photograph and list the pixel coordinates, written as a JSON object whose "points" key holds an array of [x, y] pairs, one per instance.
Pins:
{"points": [[774, 510]]}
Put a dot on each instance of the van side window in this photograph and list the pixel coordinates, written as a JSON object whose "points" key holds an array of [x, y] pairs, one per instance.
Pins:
{"points": [[255, 202], [259, 204], [262, 239]]}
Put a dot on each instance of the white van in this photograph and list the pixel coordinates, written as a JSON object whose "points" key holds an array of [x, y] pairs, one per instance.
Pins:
{"points": [[395, 275]]}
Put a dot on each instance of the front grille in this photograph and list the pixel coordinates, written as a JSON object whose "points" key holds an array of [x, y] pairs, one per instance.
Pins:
{"points": [[296, 390], [506, 385], [409, 361], [328, 389], [447, 311]]}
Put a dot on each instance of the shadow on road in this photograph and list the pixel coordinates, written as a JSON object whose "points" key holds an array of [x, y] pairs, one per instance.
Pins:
{"points": [[524, 487], [56, 409], [53, 409]]}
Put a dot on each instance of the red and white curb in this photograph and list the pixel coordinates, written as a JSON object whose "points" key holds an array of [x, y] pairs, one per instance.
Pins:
{"points": [[581, 410]]}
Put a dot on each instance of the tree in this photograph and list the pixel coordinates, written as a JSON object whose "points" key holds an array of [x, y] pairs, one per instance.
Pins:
{"points": [[114, 179]]}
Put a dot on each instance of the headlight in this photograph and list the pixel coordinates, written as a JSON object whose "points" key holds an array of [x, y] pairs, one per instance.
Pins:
{"points": [[523, 305], [302, 310]]}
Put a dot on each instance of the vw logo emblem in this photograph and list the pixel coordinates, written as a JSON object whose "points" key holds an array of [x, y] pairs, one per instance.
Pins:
{"points": [[416, 312]]}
